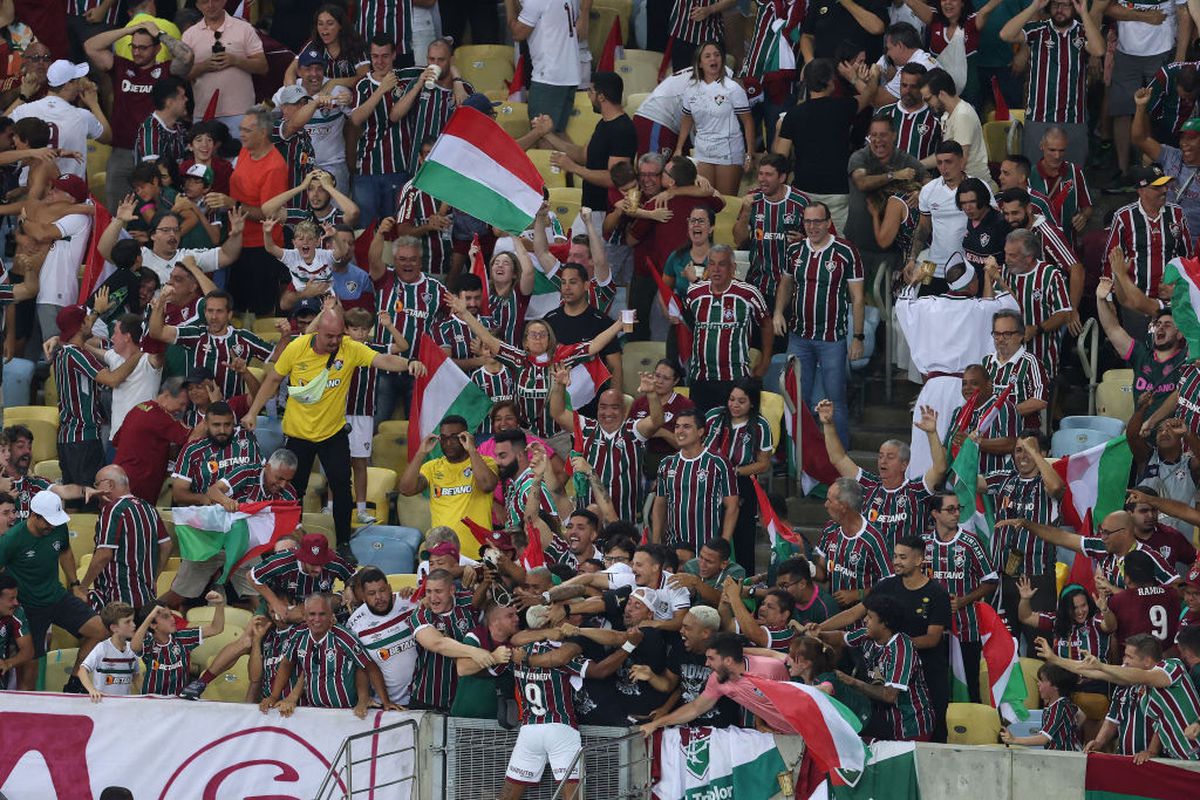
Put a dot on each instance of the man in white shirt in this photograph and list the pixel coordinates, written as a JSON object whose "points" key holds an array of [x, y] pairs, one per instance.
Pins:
{"points": [[142, 384], [328, 121], [942, 222], [70, 126], [550, 27], [163, 251], [902, 45], [960, 123]]}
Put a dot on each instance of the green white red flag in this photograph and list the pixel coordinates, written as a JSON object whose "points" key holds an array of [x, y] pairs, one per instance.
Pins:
{"points": [[204, 531], [442, 391]]}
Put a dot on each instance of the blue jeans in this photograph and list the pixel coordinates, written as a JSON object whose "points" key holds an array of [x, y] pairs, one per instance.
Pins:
{"points": [[18, 382], [391, 388], [832, 359], [376, 195]]}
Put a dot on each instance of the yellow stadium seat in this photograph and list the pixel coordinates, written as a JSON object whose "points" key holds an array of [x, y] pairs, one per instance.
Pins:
{"points": [[514, 118], [1117, 376], [380, 482], [97, 156], [212, 645], [42, 421], [234, 617], [49, 393], [270, 337], [634, 101], [165, 579], [266, 324], [389, 451], [639, 357], [995, 139], [485, 66], [639, 77], [497, 95], [399, 427], [173, 563], [1093, 705], [56, 668], [600, 22], [97, 182], [1114, 400], [1061, 571], [50, 470], [771, 407], [972, 723], [553, 176], [1017, 114], [1029, 671], [316, 519], [398, 582], [81, 532], [61, 640], [581, 125], [231, 685], [413, 512], [565, 203], [81, 565]]}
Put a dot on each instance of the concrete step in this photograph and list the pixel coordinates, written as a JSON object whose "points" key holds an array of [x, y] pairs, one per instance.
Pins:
{"points": [[895, 415], [807, 511], [868, 438]]}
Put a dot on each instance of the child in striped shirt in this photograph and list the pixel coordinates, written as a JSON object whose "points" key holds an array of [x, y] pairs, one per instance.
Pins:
{"points": [[306, 260], [112, 666], [166, 651], [1061, 718]]}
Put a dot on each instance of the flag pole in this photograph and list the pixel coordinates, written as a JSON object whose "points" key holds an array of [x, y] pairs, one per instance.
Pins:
{"points": [[792, 367]]}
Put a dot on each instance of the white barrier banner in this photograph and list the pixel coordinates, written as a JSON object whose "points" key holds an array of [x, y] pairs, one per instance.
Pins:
{"points": [[66, 747]]}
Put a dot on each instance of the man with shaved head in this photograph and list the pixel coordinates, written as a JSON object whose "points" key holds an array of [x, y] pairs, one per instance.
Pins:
{"points": [[132, 546], [612, 442], [318, 367], [1113, 541]]}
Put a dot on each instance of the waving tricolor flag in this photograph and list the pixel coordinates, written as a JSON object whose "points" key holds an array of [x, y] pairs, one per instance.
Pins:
{"points": [[479, 270], [830, 730], [479, 169], [587, 378], [1006, 684], [784, 541], [443, 390], [204, 531], [1183, 274], [993, 411], [674, 311], [964, 423]]}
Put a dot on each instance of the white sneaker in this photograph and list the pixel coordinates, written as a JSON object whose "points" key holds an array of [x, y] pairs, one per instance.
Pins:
{"points": [[364, 518]]}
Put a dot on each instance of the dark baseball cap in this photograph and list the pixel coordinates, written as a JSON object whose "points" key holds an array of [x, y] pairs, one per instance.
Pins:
{"points": [[311, 56], [1149, 175], [480, 102], [198, 375], [309, 305]]}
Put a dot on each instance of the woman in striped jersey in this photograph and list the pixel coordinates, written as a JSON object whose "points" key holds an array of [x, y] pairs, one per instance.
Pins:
{"points": [[510, 282], [741, 435], [1077, 625]]}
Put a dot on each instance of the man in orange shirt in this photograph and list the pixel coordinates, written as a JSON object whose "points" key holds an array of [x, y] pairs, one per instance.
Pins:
{"points": [[260, 174]]}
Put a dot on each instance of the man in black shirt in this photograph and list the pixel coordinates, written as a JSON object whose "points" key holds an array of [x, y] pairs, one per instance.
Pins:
{"points": [[576, 321], [828, 23], [926, 620], [614, 139], [688, 662], [986, 228]]}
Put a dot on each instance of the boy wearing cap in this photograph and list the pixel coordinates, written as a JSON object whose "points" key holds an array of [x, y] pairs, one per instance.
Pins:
{"points": [[67, 83], [32, 552], [285, 579], [197, 181]]}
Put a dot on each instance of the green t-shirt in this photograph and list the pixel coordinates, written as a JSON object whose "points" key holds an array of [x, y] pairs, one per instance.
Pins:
{"points": [[820, 608], [33, 562], [1152, 375], [852, 699], [734, 570]]}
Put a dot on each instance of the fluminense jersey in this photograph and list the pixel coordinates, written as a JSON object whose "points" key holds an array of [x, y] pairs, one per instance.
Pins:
{"points": [[436, 676], [1112, 566], [415, 207], [600, 296], [739, 444], [498, 386], [301, 157], [960, 565], [1067, 192], [1127, 710], [854, 561], [24, 488], [1085, 637], [1041, 293], [918, 132], [721, 325], [283, 575], [132, 529], [78, 8], [546, 695], [507, 319], [1056, 250], [696, 31], [154, 140], [516, 494], [112, 670], [381, 149], [1168, 111], [769, 223], [328, 666], [617, 459], [694, 490], [822, 277], [428, 115], [1148, 244], [275, 646], [1058, 724], [246, 486], [360, 399], [415, 308], [167, 664], [533, 380], [1172, 709], [896, 664], [203, 462], [1188, 408], [454, 335], [216, 353], [1004, 425], [1022, 371], [1057, 72], [896, 513], [390, 641], [390, 17], [12, 628], [1015, 551], [79, 412]]}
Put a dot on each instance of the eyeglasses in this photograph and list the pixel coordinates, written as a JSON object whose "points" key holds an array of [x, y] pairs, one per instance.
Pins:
{"points": [[1103, 532], [819, 221], [950, 509], [43, 59], [1005, 334], [785, 585], [166, 230], [660, 377], [537, 334], [142, 46], [616, 559]]}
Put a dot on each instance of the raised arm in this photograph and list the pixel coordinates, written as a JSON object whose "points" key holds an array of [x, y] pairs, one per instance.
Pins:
{"points": [[1013, 30], [837, 453], [1055, 536]]}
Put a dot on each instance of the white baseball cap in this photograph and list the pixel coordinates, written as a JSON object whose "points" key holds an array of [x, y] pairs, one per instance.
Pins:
{"points": [[48, 506], [651, 599], [62, 72]]}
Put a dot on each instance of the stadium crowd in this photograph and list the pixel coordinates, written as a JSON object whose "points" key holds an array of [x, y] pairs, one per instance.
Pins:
{"points": [[223, 265]]}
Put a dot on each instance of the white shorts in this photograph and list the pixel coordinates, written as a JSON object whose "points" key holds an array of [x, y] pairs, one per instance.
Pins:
{"points": [[537, 744], [729, 151], [362, 428]]}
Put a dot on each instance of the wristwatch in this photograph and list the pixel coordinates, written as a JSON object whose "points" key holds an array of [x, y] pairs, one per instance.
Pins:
{"points": [[862, 337], [891, 176]]}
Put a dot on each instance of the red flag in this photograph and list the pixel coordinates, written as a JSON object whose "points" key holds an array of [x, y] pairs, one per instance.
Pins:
{"points": [[993, 411], [211, 111], [998, 97], [577, 435], [1116, 776], [664, 66], [608, 56], [964, 423], [1081, 569], [420, 592], [479, 269], [534, 556], [673, 308], [516, 87], [1059, 198], [561, 251], [95, 262], [480, 533]]}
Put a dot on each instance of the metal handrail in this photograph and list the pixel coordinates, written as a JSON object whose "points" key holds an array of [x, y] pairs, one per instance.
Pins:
{"points": [[1087, 345], [330, 783], [578, 759]]}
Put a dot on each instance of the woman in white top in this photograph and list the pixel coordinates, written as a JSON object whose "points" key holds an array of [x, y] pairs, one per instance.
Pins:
{"points": [[716, 113]]}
